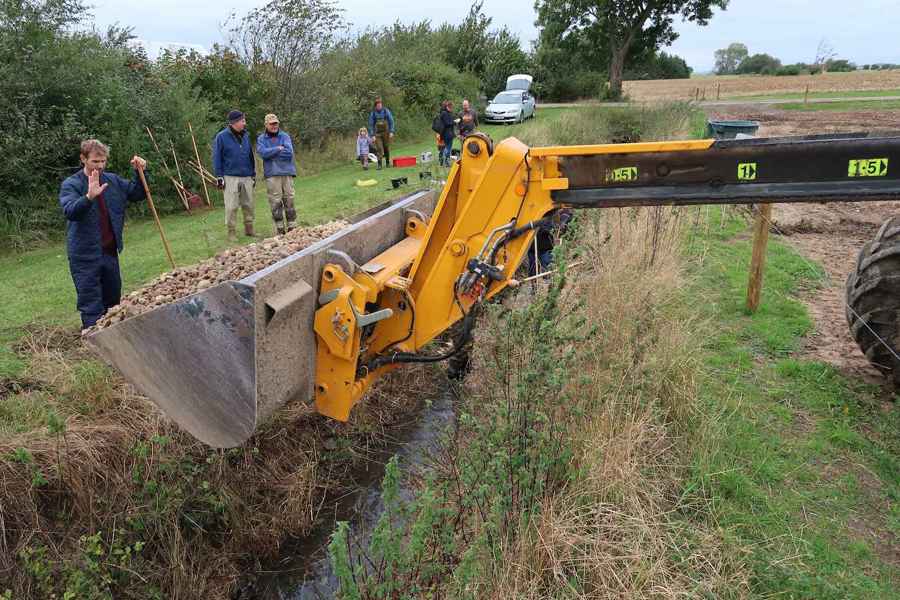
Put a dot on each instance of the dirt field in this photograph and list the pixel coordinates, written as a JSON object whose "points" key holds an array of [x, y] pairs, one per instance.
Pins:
{"points": [[829, 234], [735, 86]]}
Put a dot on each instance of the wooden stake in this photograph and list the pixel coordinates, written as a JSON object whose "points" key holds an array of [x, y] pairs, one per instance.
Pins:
{"points": [[199, 162], [162, 234], [758, 260], [178, 189], [718, 90], [806, 95]]}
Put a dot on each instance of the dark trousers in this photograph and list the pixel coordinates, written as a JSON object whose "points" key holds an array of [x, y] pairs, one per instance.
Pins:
{"points": [[546, 258], [98, 286]]}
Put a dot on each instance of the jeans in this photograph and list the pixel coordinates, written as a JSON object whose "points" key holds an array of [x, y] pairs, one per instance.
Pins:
{"points": [[98, 286], [447, 148]]}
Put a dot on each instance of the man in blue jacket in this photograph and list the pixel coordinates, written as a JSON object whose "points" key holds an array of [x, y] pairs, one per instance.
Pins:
{"points": [[277, 152], [235, 171], [94, 202], [381, 127]]}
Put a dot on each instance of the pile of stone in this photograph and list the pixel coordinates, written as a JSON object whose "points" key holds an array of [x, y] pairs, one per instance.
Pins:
{"points": [[232, 264]]}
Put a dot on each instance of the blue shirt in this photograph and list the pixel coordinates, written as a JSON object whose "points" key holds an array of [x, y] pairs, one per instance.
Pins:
{"points": [[381, 115], [276, 162], [233, 155]]}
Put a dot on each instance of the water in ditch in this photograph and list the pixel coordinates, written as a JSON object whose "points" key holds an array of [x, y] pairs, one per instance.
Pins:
{"points": [[305, 572]]}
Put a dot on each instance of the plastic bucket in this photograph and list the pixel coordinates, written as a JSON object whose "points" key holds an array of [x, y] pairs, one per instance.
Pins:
{"points": [[727, 130]]}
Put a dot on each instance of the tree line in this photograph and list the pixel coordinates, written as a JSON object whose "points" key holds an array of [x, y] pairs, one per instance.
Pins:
{"points": [[737, 60], [62, 80]]}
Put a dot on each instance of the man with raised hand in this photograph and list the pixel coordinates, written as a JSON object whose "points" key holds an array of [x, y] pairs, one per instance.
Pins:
{"points": [[275, 148], [94, 203], [235, 171]]}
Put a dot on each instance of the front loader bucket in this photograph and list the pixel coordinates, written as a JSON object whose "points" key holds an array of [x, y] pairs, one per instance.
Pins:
{"points": [[220, 362]]}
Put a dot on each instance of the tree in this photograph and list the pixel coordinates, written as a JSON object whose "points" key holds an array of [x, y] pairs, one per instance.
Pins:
{"points": [[288, 37], [620, 25], [839, 65], [761, 64], [824, 53], [728, 59]]}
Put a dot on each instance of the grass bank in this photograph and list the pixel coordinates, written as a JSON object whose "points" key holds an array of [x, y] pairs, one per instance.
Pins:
{"points": [[843, 106]]}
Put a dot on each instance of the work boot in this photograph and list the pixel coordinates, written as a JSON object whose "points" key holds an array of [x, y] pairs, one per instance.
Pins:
{"points": [[279, 230], [232, 235], [378, 168], [291, 226], [248, 230]]}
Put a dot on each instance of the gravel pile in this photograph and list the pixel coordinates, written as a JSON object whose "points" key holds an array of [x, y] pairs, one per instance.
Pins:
{"points": [[232, 264]]}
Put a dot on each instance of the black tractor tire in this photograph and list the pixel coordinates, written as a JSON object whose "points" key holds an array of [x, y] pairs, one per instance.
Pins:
{"points": [[873, 300]]}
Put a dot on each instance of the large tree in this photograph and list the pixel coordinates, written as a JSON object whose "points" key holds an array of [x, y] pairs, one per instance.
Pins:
{"points": [[728, 59], [619, 25]]}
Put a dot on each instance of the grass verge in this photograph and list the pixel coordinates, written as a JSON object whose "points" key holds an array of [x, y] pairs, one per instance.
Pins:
{"points": [[801, 466], [848, 105]]}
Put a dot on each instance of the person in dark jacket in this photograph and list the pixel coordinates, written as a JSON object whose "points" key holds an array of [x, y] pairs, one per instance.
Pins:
{"points": [[94, 203], [235, 171], [381, 127], [544, 240], [448, 133], [275, 148], [468, 119]]}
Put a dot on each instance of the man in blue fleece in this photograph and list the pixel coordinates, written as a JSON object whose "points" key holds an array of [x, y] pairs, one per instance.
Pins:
{"points": [[275, 148], [94, 203], [235, 171]]}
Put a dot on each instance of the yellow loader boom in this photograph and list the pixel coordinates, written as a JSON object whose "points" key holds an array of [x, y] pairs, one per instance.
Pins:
{"points": [[327, 322]]}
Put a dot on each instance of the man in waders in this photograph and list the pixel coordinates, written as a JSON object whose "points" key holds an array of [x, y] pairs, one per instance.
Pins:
{"points": [[381, 127]]}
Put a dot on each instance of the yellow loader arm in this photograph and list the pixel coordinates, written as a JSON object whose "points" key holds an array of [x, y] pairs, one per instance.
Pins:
{"points": [[330, 320]]}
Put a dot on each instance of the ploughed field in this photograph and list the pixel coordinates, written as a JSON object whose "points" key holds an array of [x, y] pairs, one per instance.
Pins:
{"points": [[735, 86]]}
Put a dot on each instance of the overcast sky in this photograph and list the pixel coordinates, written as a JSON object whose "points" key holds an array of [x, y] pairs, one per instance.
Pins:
{"points": [[864, 31]]}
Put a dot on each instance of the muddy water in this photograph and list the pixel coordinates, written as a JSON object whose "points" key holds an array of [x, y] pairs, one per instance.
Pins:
{"points": [[305, 572]]}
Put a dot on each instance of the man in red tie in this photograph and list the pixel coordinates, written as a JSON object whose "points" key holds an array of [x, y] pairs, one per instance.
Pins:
{"points": [[94, 202]]}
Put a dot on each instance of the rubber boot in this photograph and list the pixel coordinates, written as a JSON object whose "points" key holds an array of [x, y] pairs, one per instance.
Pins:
{"points": [[291, 226], [387, 160], [378, 168], [248, 229]]}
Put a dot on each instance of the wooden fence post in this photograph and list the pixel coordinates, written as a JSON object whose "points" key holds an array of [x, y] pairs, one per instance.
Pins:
{"points": [[758, 260]]}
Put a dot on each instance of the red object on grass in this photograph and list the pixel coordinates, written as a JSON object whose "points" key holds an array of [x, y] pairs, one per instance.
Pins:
{"points": [[405, 161]]}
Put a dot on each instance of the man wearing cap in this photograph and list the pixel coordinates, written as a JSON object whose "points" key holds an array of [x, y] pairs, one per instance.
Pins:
{"points": [[94, 201], [277, 152], [235, 171], [381, 127]]}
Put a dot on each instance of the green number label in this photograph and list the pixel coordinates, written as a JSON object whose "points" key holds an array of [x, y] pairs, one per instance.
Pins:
{"points": [[622, 174], [746, 171], [868, 167]]}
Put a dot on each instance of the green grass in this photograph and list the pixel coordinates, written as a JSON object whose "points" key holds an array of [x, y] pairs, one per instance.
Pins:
{"points": [[38, 287], [848, 105], [800, 462], [825, 94]]}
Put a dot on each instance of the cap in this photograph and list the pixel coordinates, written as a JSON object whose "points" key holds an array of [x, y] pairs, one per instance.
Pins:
{"points": [[235, 115], [270, 118]]}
